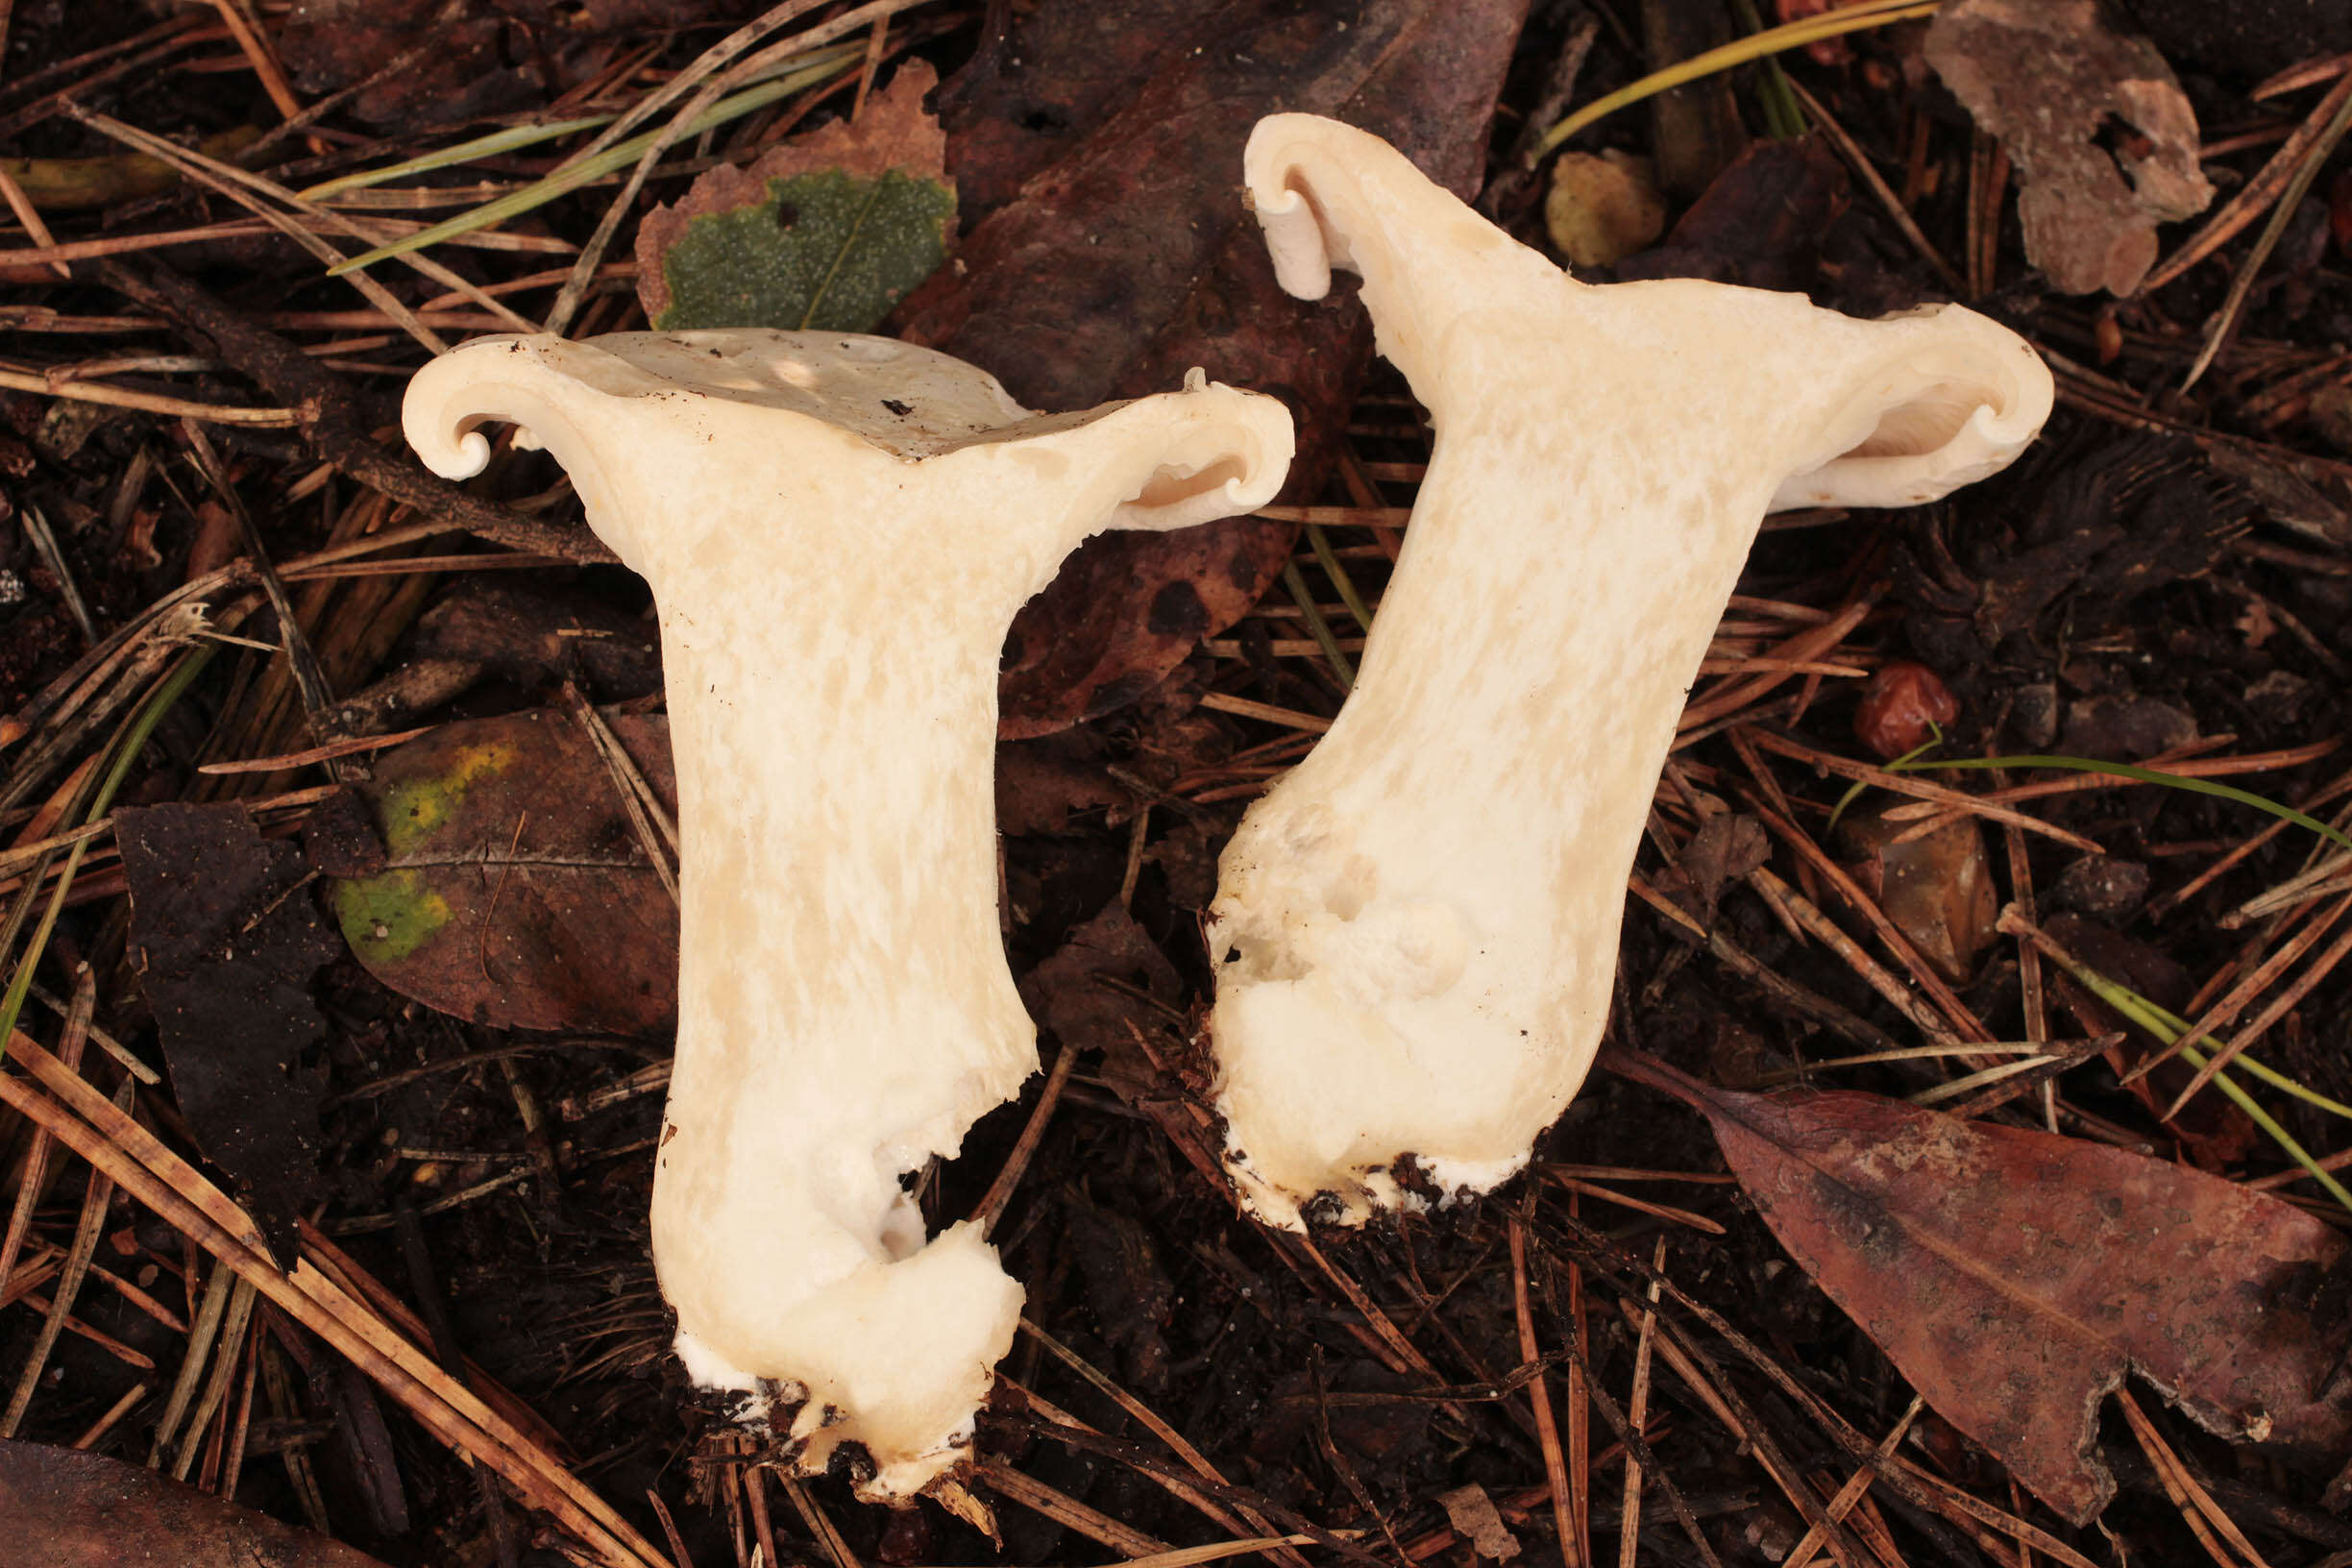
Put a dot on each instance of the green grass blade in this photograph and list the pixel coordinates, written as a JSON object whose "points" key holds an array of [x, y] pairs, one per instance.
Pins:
{"points": [[1783, 118], [2145, 775], [2269, 1075], [1853, 792], [1773, 40], [134, 737], [1316, 626], [2168, 1028], [821, 66], [513, 139], [1329, 559]]}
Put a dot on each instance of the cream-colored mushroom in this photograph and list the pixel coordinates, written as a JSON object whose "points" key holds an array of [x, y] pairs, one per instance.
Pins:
{"points": [[1415, 931], [838, 531]]}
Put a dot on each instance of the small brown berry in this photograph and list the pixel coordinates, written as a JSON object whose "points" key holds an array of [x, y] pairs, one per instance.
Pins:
{"points": [[1900, 708]]}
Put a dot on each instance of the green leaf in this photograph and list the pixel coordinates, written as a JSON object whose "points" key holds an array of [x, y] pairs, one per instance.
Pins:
{"points": [[826, 251]]}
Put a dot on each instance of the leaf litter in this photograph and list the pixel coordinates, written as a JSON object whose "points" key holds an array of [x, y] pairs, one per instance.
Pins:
{"points": [[514, 891], [226, 944], [2015, 597], [1100, 261], [2016, 1277], [66, 1510], [2053, 80]]}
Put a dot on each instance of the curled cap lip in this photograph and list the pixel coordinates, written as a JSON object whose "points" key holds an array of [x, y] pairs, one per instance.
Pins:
{"points": [[907, 400], [838, 531], [1415, 929]]}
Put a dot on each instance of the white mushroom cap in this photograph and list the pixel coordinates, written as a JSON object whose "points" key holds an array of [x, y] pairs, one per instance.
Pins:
{"points": [[1415, 930], [838, 531]]}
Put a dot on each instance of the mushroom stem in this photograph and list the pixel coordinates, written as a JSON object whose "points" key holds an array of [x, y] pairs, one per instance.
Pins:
{"points": [[838, 532], [1415, 930]]}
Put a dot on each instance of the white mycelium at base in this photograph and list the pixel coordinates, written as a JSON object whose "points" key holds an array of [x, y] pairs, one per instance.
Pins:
{"points": [[838, 531], [1415, 930]]}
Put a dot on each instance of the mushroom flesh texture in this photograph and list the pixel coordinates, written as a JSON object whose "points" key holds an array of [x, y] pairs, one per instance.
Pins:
{"points": [[1415, 931], [838, 531]]}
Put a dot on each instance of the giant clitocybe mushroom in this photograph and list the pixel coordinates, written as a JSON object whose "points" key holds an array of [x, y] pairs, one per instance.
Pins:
{"points": [[838, 531], [1415, 930]]}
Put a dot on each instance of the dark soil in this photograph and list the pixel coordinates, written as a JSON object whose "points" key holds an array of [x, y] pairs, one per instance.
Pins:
{"points": [[2181, 573]]}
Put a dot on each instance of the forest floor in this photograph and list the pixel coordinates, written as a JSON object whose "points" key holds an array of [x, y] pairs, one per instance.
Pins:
{"points": [[223, 585]]}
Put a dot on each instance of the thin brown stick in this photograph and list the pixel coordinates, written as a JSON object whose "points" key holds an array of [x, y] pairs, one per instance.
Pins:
{"points": [[232, 1343], [1177, 1443], [1547, 1428], [1225, 1518], [1242, 707], [754, 1478], [1913, 1484], [2279, 1006], [351, 747], [234, 1462], [677, 1543], [21, 205], [154, 1176], [105, 1424], [1958, 801], [1068, 1512], [1857, 1485], [1948, 1001], [2203, 1516], [2222, 325], [1637, 1412], [1874, 974], [36, 1152], [2186, 767], [1580, 1460], [264, 59], [331, 424], [1847, 1024], [151, 403], [1660, 1210], [234, 183], [1867, 172], [1805, 647], [992, 1205], [1723, 1402], [820, 1524], [656, 833], [302, 660], [2253, 197], [95, 1197]]}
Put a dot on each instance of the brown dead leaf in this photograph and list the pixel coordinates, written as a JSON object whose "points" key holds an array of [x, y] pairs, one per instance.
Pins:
{"points": [[532, 636], [1099, 145], [69, 1509], [515, 891], [1937, 889], [1043, 784], [1728, 846], [1759, 223], [226, 939], [1067, 995], [2016, 1277], [2096, 125], [1472, 1515]]}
